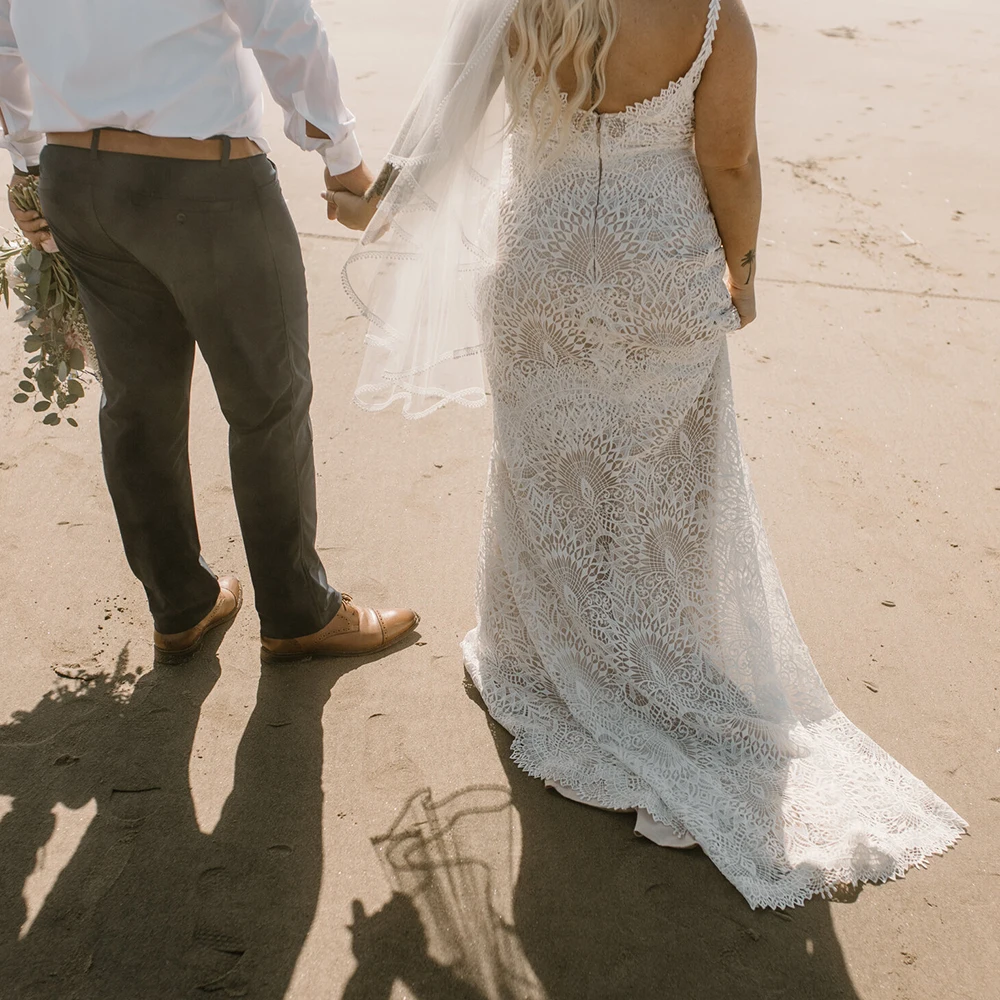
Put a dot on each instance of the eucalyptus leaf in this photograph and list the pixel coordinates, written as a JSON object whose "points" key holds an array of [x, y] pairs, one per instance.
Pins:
{"points": [[46, 380], [41, 406], [26, 386], [52, 419], [44, 284], [21, 397], [72, 422], [35, 258], [77, 360], [63, 371]]}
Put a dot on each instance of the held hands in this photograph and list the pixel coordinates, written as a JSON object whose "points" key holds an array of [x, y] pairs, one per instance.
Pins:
{"points": [[354, 212], [345, 201], [34, 227]]}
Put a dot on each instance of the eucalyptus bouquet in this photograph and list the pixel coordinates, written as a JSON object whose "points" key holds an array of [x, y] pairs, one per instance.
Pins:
{"points": [[62, 358]]}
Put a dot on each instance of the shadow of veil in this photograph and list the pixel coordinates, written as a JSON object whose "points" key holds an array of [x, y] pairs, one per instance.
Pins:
{"points": [[574, 907], [150, 906]]}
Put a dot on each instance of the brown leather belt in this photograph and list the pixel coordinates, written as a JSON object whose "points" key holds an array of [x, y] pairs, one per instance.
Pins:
{"points": [[140, 144]]}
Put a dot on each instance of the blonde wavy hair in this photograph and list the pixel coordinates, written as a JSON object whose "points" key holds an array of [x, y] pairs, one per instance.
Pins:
{"points": [[546, 35]]}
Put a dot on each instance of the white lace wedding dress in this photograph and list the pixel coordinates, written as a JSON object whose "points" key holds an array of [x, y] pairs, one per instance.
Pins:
{"points": [[633, 632]]}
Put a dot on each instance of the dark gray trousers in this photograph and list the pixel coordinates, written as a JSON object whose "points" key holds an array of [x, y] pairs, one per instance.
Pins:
{"points": [[169, 254]]}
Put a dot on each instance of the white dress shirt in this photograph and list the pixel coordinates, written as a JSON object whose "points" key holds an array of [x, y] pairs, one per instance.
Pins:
{"points": [[168, 68]]}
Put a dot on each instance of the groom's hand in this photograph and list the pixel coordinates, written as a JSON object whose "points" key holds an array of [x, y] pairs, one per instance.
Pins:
{"points": [[34, 227], [356, 182]]}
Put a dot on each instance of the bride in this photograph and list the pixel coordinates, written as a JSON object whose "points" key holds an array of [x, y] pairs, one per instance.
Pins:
{"points": [[574, 199]]}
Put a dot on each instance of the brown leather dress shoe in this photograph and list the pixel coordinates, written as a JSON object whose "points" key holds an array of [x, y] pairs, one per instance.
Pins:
{"points": [[227, 607], [352, 632]]}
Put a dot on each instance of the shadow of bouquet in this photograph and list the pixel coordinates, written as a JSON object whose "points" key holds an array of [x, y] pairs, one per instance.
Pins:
{"points": [[75, 726]]}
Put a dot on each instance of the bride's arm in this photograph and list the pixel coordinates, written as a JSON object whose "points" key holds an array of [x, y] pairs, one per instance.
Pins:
{"points": [[726, 145]]}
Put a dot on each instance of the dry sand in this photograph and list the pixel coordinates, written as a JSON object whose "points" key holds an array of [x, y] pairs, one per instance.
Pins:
{"points": [[211, 829]]}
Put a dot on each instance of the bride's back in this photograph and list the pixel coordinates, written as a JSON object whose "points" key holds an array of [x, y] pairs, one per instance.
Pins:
{"points": [[610, 55], [656, 43]]}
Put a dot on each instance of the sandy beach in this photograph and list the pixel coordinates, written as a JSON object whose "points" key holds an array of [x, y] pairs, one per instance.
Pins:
{"points": [[356, 830]]}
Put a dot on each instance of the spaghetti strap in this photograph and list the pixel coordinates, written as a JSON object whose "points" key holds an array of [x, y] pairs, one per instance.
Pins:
{"points": [[698, 68]]}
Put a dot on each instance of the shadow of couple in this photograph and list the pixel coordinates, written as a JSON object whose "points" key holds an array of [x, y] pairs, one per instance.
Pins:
{"points": [[149, 906], [498, 892]]}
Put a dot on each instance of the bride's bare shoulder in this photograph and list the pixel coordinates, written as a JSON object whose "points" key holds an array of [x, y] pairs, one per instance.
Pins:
{"points": [[657, 42], [672, 24], [664, 20]]}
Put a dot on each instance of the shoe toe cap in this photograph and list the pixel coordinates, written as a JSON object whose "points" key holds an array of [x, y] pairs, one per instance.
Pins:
{"points": [[397, 622]]}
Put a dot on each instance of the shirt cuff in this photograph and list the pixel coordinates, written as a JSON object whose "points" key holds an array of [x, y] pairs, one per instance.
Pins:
{"points": [[342, 157], [24, 153]]}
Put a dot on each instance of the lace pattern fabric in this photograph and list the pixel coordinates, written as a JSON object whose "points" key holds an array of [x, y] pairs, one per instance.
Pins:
{"points": [[633, 632]]}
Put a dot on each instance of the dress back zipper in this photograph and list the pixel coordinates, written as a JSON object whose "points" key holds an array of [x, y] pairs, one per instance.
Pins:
{"points": [[597, 199]]}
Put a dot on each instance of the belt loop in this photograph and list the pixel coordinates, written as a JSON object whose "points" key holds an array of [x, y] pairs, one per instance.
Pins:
{"points": [[95, 143], [227, 148]]}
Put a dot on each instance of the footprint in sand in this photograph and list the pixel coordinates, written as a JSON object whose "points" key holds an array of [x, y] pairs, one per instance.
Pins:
{"points": [[218, 940], [851, 34], [387, 764]]}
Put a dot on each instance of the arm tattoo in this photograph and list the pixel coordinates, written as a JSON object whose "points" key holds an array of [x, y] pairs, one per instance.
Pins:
{"points": [[748, 262]]}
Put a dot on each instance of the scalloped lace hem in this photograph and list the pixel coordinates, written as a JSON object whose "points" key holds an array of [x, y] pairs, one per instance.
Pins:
{"points": [[533, 753]]}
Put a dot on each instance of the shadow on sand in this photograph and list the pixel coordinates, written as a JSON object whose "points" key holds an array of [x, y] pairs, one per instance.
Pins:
{"points": [[149, 906], [574, 907], [498, 893]]}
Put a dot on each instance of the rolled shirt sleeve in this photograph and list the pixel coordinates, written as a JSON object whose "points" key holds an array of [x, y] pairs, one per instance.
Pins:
{"points": [[292, 48], [18, 139]]}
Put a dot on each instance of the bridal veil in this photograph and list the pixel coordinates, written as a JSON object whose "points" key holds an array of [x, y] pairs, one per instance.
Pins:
{"points": [[414, 273]]}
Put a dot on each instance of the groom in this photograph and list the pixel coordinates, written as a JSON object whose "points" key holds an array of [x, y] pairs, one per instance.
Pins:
{"points": [[156, 187]]}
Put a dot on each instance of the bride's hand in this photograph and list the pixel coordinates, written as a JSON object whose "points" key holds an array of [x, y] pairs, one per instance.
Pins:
{"points": [[352, 211], [744, 298]]}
